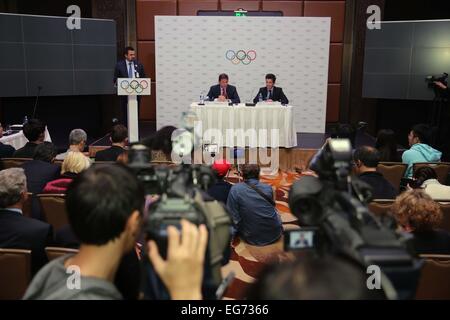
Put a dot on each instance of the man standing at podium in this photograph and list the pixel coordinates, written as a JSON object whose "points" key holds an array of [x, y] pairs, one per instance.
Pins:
{"points": [[128, 67], [271, 93], [224, 91]]}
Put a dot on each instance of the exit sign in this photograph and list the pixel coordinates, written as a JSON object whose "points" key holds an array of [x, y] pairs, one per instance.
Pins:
{"points": [[240, 13]]}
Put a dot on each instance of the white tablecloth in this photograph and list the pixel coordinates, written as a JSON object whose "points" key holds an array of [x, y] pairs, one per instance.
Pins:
{"points": [[261, 126], [18, 140]]}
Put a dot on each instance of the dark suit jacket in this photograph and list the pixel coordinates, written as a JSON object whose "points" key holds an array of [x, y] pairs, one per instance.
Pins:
{"points": [[6, 151], [220, 190], [19, 232], [381, 188], [121, 70], [38, 173], [109, 154], [27, 151], [277, 95], [432, 242], [214, 93]]}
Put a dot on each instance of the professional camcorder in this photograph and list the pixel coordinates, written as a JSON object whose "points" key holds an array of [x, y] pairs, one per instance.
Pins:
{"points": [[333, 209], [181, 190], [437, 78]]}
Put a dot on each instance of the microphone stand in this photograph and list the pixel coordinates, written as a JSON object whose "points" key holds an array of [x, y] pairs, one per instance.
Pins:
{"points": [[36, 101]]}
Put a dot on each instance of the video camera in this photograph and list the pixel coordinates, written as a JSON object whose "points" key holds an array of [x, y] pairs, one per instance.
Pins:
{"points": [[333, 209], [181, 189], [437, 78]]}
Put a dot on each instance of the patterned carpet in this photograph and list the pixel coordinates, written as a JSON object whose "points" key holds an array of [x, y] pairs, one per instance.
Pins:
{"points": [[248, 261]]}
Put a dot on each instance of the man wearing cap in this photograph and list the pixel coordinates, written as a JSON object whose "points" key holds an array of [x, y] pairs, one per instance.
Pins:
{"points": [[221, 188]]}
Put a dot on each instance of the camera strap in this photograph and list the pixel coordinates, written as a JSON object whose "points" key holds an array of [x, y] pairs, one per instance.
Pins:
{"points": [[262, 194]]}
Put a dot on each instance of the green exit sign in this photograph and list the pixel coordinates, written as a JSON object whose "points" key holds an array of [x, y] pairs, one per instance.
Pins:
{"points": [[240, 13]]}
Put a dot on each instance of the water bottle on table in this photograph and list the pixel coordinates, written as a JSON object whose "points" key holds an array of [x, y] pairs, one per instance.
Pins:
{"points": [[260, 97]]}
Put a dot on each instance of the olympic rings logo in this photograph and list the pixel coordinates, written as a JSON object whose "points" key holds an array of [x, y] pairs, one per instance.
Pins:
{"points": [[241, 56], [134, 86]]}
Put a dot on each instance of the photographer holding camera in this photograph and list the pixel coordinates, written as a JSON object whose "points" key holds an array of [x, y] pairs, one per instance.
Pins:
{"points": [[104, 206]]}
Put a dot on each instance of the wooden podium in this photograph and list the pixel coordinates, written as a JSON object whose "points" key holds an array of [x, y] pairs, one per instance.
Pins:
{"points": [[133, 87]]}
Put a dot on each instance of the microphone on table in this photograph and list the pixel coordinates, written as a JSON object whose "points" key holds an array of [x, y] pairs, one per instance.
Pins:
{"points": [[251, 103]]}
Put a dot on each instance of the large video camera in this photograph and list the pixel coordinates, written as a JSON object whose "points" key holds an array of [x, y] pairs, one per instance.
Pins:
{"points": [[181, 196], [437, 78], [333, 209]]}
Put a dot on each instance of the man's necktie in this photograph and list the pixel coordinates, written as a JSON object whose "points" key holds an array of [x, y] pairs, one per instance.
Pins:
{"points": [[130, 70], [269, 94]]}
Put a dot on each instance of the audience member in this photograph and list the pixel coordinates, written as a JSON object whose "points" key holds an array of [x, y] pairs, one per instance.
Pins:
{"points": [[160, 144], [221, 188], [313, 278], [251, 204], [17, 231], [77, 143], [39, 172], [34, 131], [425, 178], [108, 230], [386, 144], [418, 214], [6, 151], [119, 140], [344, 131], [420, 150], [74, 163], [366, 161], [41, 169]]}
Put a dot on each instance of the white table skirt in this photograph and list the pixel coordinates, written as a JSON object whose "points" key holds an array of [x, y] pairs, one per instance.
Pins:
{"points": [[18, 140], [240, 126]]}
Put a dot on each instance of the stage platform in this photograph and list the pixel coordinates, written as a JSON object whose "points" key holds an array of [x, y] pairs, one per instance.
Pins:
{"points": [[289, 159]]}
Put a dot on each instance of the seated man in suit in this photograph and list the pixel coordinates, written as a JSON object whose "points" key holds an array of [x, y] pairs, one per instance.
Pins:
{"points": [[6, 150], [271, 93], [17, 231], [119, 140], [128, 67], [34, 131], [224, 91], [366, 161], [39, 172]]}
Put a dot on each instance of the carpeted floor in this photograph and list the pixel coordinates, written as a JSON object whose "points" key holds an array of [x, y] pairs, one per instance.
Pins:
{"points": [[248, 261]]}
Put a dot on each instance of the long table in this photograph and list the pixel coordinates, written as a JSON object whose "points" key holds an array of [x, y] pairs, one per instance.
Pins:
{"points": [[240, 126]]}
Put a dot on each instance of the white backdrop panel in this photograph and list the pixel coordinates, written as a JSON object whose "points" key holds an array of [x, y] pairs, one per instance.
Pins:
{"points": [[191, 53]]}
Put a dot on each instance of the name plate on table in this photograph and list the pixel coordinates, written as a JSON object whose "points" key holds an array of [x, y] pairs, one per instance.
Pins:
{"points": [[265, 103], [216, 103]]}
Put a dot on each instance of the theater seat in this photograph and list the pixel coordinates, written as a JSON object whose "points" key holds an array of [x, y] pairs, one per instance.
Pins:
{"points": [[442, 169], [54, 209], [380, 207], [6, 163], [56, 252], [392, 172], [435, 278], [15, 273], [445, 207]]}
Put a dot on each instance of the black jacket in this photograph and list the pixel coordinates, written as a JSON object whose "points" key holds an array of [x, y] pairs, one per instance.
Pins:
{"points": [[381, 188], [220, 190], [432, 242], [214, 93], [109, 154], [6, 151], [277, 95], [121, 70], [27, 151], [19, 232], [38, 173]]}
